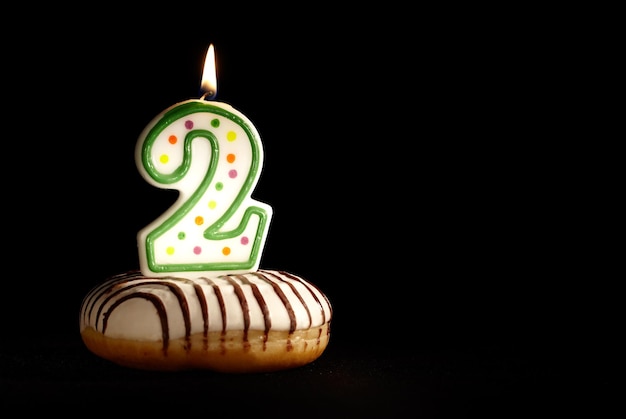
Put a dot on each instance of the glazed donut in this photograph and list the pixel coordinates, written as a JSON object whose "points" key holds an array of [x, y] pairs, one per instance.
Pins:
{"points": [[260, 321]]}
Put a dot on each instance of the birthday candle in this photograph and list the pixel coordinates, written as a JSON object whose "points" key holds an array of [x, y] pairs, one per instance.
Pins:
{"points": [[212, 154]]}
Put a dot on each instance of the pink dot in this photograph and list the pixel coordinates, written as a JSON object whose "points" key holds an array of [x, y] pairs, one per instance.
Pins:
{"points": [[197, 250], [244, 240], [189, 124], [232, 174]]}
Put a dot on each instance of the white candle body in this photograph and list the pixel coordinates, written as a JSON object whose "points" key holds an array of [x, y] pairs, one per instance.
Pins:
{"points": [[212, 154]]}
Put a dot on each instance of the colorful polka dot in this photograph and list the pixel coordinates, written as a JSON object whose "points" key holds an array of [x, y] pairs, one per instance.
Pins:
{"points": [[230, 158], [231, 136], [170, 250], [181, 235], [197, 250], [232, 174], [215, 123], [244, 240], [219, 186], [199, 220], [164, 158], [226, 251], [172, 139], [212, 204], [189, 124]]}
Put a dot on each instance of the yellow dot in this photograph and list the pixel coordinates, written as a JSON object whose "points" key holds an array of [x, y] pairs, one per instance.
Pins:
{"points": [[226, 251], [199, 220], [164, 158], [231, 136], [212, 204], [170, 250]]}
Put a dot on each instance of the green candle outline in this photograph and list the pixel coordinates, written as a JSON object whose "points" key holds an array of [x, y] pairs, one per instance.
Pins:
{"points": [[212, 232]]}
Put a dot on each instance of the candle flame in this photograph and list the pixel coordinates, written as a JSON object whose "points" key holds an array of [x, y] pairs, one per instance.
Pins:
{"points": [[209, 77]]}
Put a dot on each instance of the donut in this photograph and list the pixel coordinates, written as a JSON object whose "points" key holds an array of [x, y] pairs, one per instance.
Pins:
{"points": [[260, 321]]}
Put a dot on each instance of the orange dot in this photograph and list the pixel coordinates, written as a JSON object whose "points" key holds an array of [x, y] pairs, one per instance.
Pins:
{"points": [[199, 220], [172, 139], [226, 251], [230, 158]]}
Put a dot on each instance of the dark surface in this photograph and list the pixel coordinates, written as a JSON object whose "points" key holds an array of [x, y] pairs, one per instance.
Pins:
{"points": [[417, 176], [346, 380]]}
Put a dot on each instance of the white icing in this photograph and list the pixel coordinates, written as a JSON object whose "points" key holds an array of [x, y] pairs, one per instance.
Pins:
{"points": [[128, 303]]}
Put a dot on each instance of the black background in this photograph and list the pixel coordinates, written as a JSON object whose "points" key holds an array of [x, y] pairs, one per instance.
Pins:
{"points": [[419, 174]]}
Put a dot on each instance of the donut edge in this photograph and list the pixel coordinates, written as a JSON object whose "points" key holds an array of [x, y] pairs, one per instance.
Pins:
{"points": [[227, 352]]}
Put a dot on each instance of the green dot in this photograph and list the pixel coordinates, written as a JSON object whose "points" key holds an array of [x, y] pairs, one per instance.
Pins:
{"points": [[219, 186], [215, 123], [181, 235]]}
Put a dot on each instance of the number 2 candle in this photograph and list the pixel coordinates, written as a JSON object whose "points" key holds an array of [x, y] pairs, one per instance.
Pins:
{"points": [[212, 154]]}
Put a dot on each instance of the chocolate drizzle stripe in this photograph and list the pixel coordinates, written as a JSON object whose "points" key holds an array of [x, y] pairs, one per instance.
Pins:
{"points": [[264, 308], [285, 300], [104, 289], [220, 301], [244, 306], [203, 306], [180, 296], [310, 287], [158, 304]]}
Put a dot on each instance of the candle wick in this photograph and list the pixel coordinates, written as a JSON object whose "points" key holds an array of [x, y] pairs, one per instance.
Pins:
{"points": [[209, 94]]}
